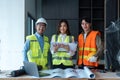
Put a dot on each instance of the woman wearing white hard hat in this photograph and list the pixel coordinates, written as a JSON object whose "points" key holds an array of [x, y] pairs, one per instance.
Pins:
{"points": [[37, 45]]}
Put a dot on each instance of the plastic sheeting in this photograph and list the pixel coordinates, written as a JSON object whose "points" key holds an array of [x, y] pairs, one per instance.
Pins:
{"points": [[112, 46]]}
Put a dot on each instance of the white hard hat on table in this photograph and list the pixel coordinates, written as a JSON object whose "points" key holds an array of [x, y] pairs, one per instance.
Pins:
{"points": [[41, 20]]}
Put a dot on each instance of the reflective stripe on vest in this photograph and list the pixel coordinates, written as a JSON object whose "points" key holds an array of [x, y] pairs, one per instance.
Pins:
{"points": [[88, 48], [62, 56], [35, 53]]}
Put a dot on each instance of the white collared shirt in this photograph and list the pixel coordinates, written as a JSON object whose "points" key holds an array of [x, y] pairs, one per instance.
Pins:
{"points": [[63, 36]]}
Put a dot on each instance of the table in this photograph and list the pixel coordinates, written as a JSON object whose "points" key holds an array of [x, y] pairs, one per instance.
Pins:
{"points": [[99, 76]]}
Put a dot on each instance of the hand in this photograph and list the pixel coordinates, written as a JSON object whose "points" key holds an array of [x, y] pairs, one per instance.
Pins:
{"points": [[39, 67], [61, 45], [55, 47], [66, 47], [93, 59]]}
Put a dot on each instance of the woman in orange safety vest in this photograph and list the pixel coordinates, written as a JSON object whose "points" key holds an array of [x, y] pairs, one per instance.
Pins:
{"points": [[89, 43]]}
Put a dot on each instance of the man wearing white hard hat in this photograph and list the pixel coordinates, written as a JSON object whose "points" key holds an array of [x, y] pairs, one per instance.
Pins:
{"points": [[37, 45]]}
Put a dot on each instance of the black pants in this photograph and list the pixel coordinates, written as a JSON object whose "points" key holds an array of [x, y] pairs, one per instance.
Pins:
{"points": [[61, 66]]}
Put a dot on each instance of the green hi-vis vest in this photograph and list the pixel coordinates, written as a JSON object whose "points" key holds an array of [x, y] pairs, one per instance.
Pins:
{"points": [[35, 54], [62, 56]]}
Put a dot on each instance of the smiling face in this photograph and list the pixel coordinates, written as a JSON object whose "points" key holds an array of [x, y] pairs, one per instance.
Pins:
{"points": [[85, 26], [40, 28], [63, 28]]}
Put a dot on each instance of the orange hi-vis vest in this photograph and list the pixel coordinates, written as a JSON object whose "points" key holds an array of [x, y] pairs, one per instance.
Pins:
{"points": [[87, 48]]}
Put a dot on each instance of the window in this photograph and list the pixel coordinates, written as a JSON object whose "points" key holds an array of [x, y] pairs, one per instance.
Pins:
{"points": [[30, 25]]}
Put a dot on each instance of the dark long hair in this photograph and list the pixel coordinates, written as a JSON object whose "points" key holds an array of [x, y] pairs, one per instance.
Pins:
{"points": [[59, 25]]}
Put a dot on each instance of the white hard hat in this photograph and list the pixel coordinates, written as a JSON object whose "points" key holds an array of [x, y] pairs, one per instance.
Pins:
{"points": [[41, 20]]}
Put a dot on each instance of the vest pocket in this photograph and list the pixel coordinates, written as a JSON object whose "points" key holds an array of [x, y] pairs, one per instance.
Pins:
{"points": [[33, 55]]}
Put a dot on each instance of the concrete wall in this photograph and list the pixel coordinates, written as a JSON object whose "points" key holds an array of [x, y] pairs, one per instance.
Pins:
{"points": [[55, 10], [13, 27], [39, 8], [12, 33]]}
